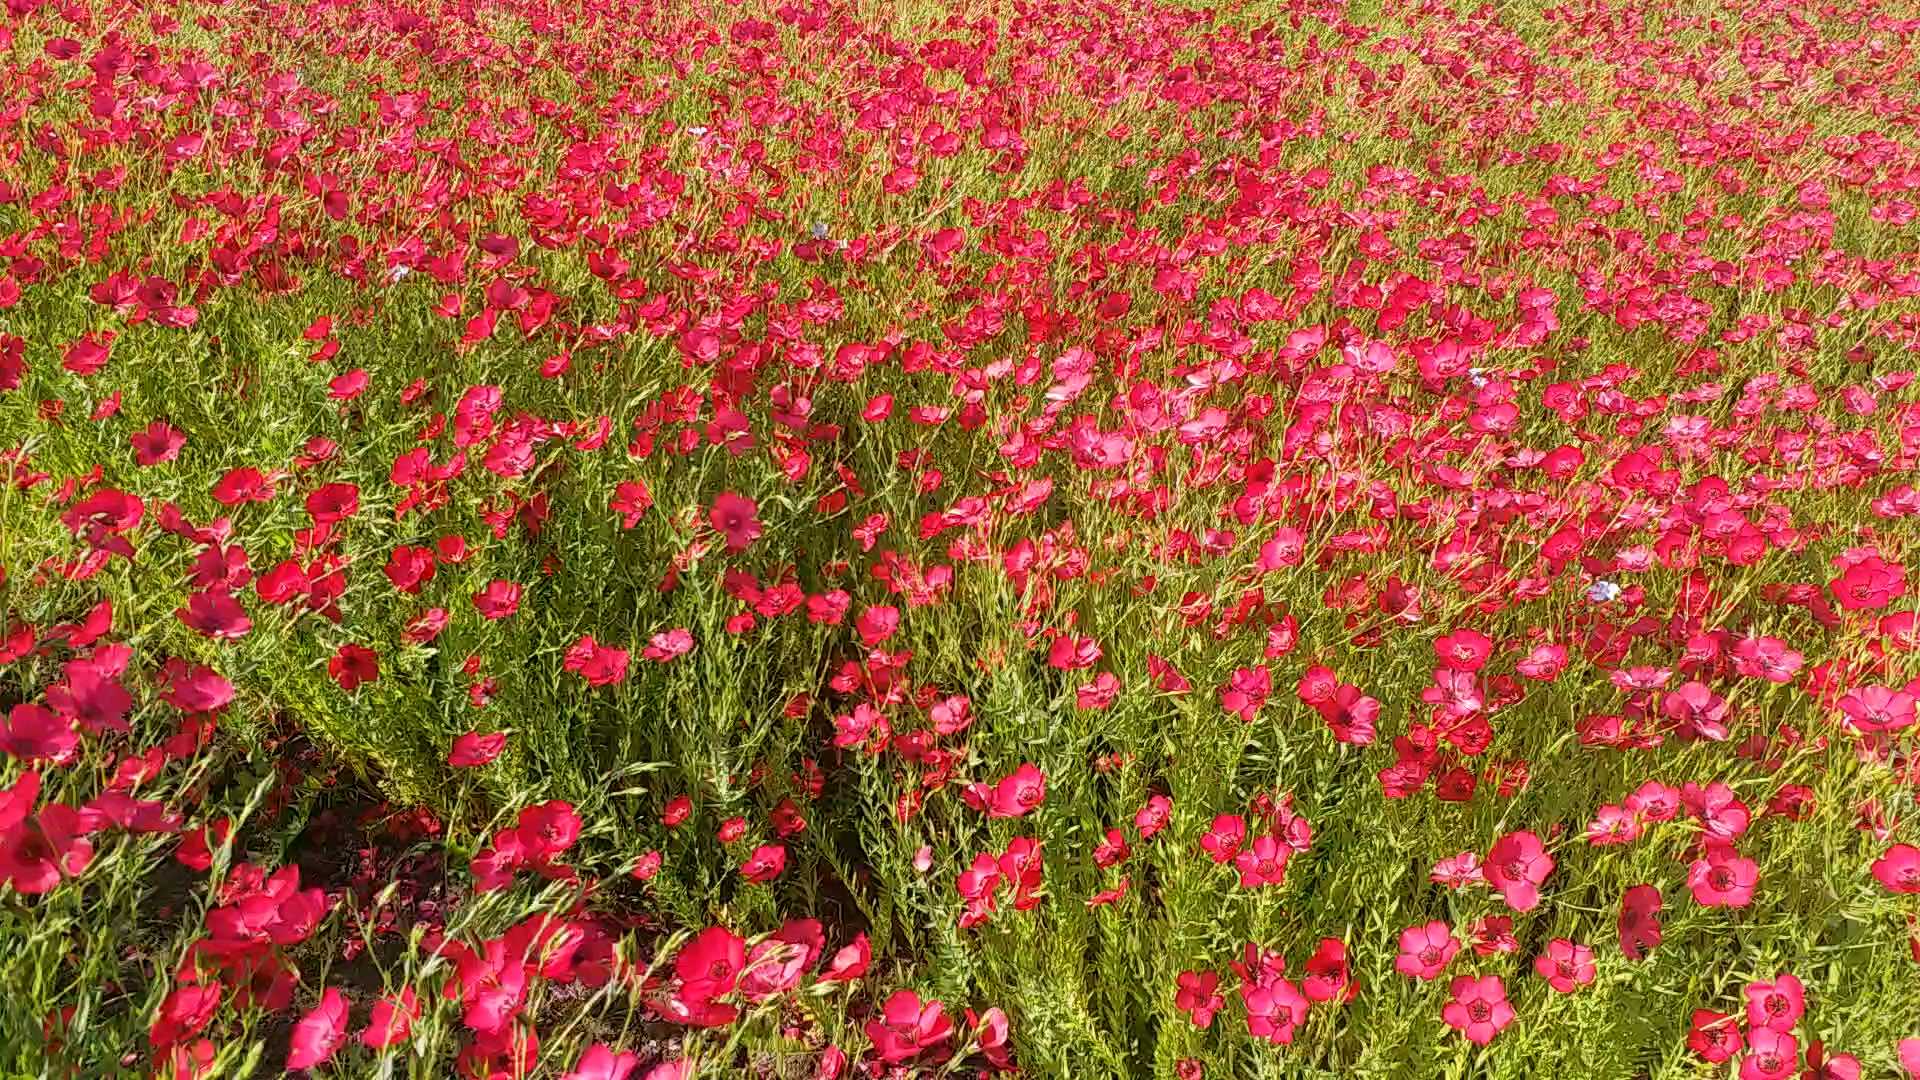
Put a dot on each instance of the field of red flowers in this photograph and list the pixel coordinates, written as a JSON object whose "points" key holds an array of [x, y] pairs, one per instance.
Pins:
{"points": [[831, 538]]}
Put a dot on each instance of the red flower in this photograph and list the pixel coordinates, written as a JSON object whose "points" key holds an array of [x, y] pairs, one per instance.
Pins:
{"points": [[474, 749], [765, 864], [908, 1029], [353, 665], [158, 444], [498, 600], [1715, 1036], [1479, 1008], [1639, 923], [548, 829], [410, 568], [851, 962], [646, 866], [17, 801], [1197, 998], [1015, 795], [733, 517], [183, 1014], [35, 854], [1869, 584], [631, 500], [1328, 978], [215, 613], [33, 733], [600, 665], [877, 624], [320, 1032], [330, 503], [1070, 653], [392, 1020]]}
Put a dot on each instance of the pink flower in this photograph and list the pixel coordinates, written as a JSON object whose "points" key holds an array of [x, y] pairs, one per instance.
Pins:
{"points": [[1464, 650], [1771, 1055], [1565, 965], [668, 645], [1246, 691], [1899, 869], [1715, 1036], [1516, 866], [1479, 1008], [1425, 951], [1015, 795], [1873, 709], [599, 1062], [1264, 862], [776, 965], [1869, 584], [1723, 878], [1275, 1007], [1778, 1004], [32, 733], [1223, 838]]}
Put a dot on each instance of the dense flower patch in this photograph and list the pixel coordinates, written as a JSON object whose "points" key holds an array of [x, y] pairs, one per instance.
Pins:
{"points": [[830, 539]]}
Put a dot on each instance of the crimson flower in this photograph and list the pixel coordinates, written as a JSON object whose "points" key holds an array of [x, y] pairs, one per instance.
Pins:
{"points": [[733, 517]]}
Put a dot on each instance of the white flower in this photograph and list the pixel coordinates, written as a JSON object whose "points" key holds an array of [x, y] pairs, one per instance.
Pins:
{"points": [[1602, 591]]}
